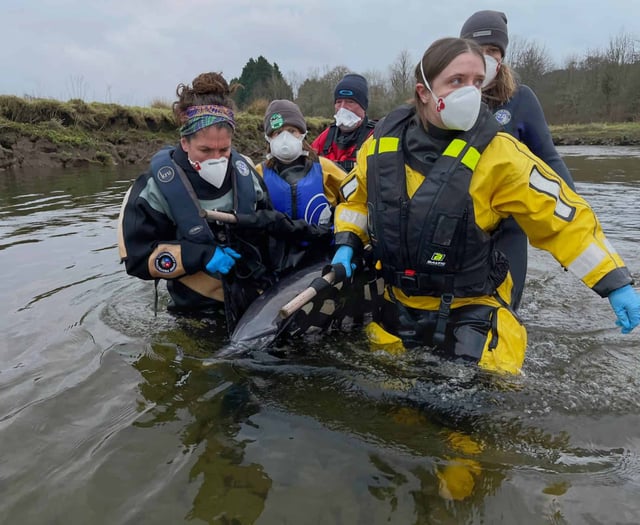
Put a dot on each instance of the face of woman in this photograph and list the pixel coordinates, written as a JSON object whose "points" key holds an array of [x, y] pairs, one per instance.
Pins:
{"points": [[212, 142], [467, 69]]}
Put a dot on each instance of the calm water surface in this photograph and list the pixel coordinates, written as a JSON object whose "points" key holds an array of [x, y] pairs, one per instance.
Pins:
{"points": [[110, 415]]}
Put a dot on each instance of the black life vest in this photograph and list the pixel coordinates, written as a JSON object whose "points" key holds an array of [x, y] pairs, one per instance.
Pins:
{"points": [[183, 202], [363, 133], [430, 244]]}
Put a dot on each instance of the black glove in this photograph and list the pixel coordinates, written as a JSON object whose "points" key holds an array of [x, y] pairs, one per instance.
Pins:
{"points": [[281, 226]]}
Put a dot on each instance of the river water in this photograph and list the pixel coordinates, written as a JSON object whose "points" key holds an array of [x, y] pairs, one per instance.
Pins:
{"points": [[111, 415]]}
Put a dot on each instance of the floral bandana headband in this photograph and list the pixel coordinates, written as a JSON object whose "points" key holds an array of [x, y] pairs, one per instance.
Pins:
{"points": [[200, 117]]}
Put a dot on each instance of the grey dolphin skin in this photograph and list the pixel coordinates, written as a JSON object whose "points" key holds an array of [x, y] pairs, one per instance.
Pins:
{"points": [[262, 323]]}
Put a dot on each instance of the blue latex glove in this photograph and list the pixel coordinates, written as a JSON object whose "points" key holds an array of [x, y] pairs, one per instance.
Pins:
{"points": [[626, 305], [223, 260], [343, 256]]}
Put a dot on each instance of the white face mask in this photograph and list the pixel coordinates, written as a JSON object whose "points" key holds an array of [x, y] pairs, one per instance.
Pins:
{"points": [[459, 110], [286, 147], [212, 170], [346, 119], [492, 66]]}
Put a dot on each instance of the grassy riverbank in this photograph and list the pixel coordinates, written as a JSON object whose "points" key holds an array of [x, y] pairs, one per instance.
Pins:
{"points": [[45, 132]]}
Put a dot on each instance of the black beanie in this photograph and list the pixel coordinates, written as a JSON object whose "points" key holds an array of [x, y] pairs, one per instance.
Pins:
{"points": [[487, 28], [283, 112], [355, 87]]}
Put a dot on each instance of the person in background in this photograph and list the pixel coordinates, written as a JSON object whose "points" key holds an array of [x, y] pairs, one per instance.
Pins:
{"points": [[301, 184], [517, 108], [429, 189], [340, 141]]}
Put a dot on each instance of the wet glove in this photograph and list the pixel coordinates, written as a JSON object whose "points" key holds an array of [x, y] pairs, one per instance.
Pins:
{"points": [[626, 305], [343, 256], [281, 226], [223, 260]]}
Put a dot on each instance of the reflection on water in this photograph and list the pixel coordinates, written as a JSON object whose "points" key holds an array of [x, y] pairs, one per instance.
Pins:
{"points": [[110, 414]]}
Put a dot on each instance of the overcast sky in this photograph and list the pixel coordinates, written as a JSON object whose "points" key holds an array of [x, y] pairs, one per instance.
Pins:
{"points": [[135, 51]]}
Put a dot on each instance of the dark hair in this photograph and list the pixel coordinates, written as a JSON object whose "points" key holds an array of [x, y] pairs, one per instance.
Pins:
{"points": [[439, 55], [206, 88], [502, 88]]}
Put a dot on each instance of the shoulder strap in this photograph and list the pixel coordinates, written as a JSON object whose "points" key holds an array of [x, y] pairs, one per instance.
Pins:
{"points": [[183, 203]]}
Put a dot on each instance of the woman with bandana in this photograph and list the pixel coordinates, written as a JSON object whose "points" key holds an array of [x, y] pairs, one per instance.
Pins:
{"points": [[517, 108], [431, 187], [300, 184], [163, 229]]}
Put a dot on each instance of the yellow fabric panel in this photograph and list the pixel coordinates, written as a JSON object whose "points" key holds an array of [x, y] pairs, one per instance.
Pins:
{"points": [[454, 148], [332, 177], [205, 285], [122, 249], [508, 355], [388, 144]]}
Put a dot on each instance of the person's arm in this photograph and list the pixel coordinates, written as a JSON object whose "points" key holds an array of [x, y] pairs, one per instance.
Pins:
{"points": [[149, 237], [536, 135], [333, 176], [350, 223], [552, 215]]}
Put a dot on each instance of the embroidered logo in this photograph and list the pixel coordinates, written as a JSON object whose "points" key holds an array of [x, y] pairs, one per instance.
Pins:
{"points": [[165, 262], [276, 121], [437, 259], [166, 174], [195, 230], [503, 116], [242, 168], [345, 92]]}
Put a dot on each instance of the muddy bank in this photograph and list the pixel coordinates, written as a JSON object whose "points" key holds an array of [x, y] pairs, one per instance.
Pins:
{"points": [[49, 133]]}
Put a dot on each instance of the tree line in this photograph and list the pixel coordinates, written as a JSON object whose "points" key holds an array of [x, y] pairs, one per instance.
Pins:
{"points": [[600, 86]]}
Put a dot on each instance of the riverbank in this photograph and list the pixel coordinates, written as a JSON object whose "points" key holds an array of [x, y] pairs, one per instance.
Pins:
{"points": [[50, 133]]}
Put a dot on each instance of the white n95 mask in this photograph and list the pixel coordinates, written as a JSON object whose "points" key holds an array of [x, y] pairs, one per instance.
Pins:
{"points": [[492, 66], [286, 147], [459, 110], [347, 119], [212, 170]]}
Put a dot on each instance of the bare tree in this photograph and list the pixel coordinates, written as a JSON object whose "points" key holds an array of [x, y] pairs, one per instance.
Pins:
{"points": [[529, 59], [401, 76]]}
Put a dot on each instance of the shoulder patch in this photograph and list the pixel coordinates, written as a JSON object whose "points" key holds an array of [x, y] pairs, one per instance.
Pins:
{"points": [[503, 116], [165, 174], [242, 168]]}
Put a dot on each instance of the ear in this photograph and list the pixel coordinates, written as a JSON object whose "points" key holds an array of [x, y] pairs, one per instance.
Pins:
{"points": [[185, 144], [423, 93]]}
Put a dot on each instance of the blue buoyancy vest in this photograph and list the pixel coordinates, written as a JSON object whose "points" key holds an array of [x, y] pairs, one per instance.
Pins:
{"points": [[305, 199], [183, 202]]}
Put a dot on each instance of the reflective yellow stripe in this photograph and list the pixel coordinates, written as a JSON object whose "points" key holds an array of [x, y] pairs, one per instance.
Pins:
{"points": [[471, 158], [388, 144], [455, 148]]}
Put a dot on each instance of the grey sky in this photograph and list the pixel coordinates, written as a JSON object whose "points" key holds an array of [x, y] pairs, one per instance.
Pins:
{"points": [[132, 52]]}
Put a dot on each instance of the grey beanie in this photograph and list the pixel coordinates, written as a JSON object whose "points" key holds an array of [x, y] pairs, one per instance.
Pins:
{"points": [[282, 113], [487, 28], [355, 87]]}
